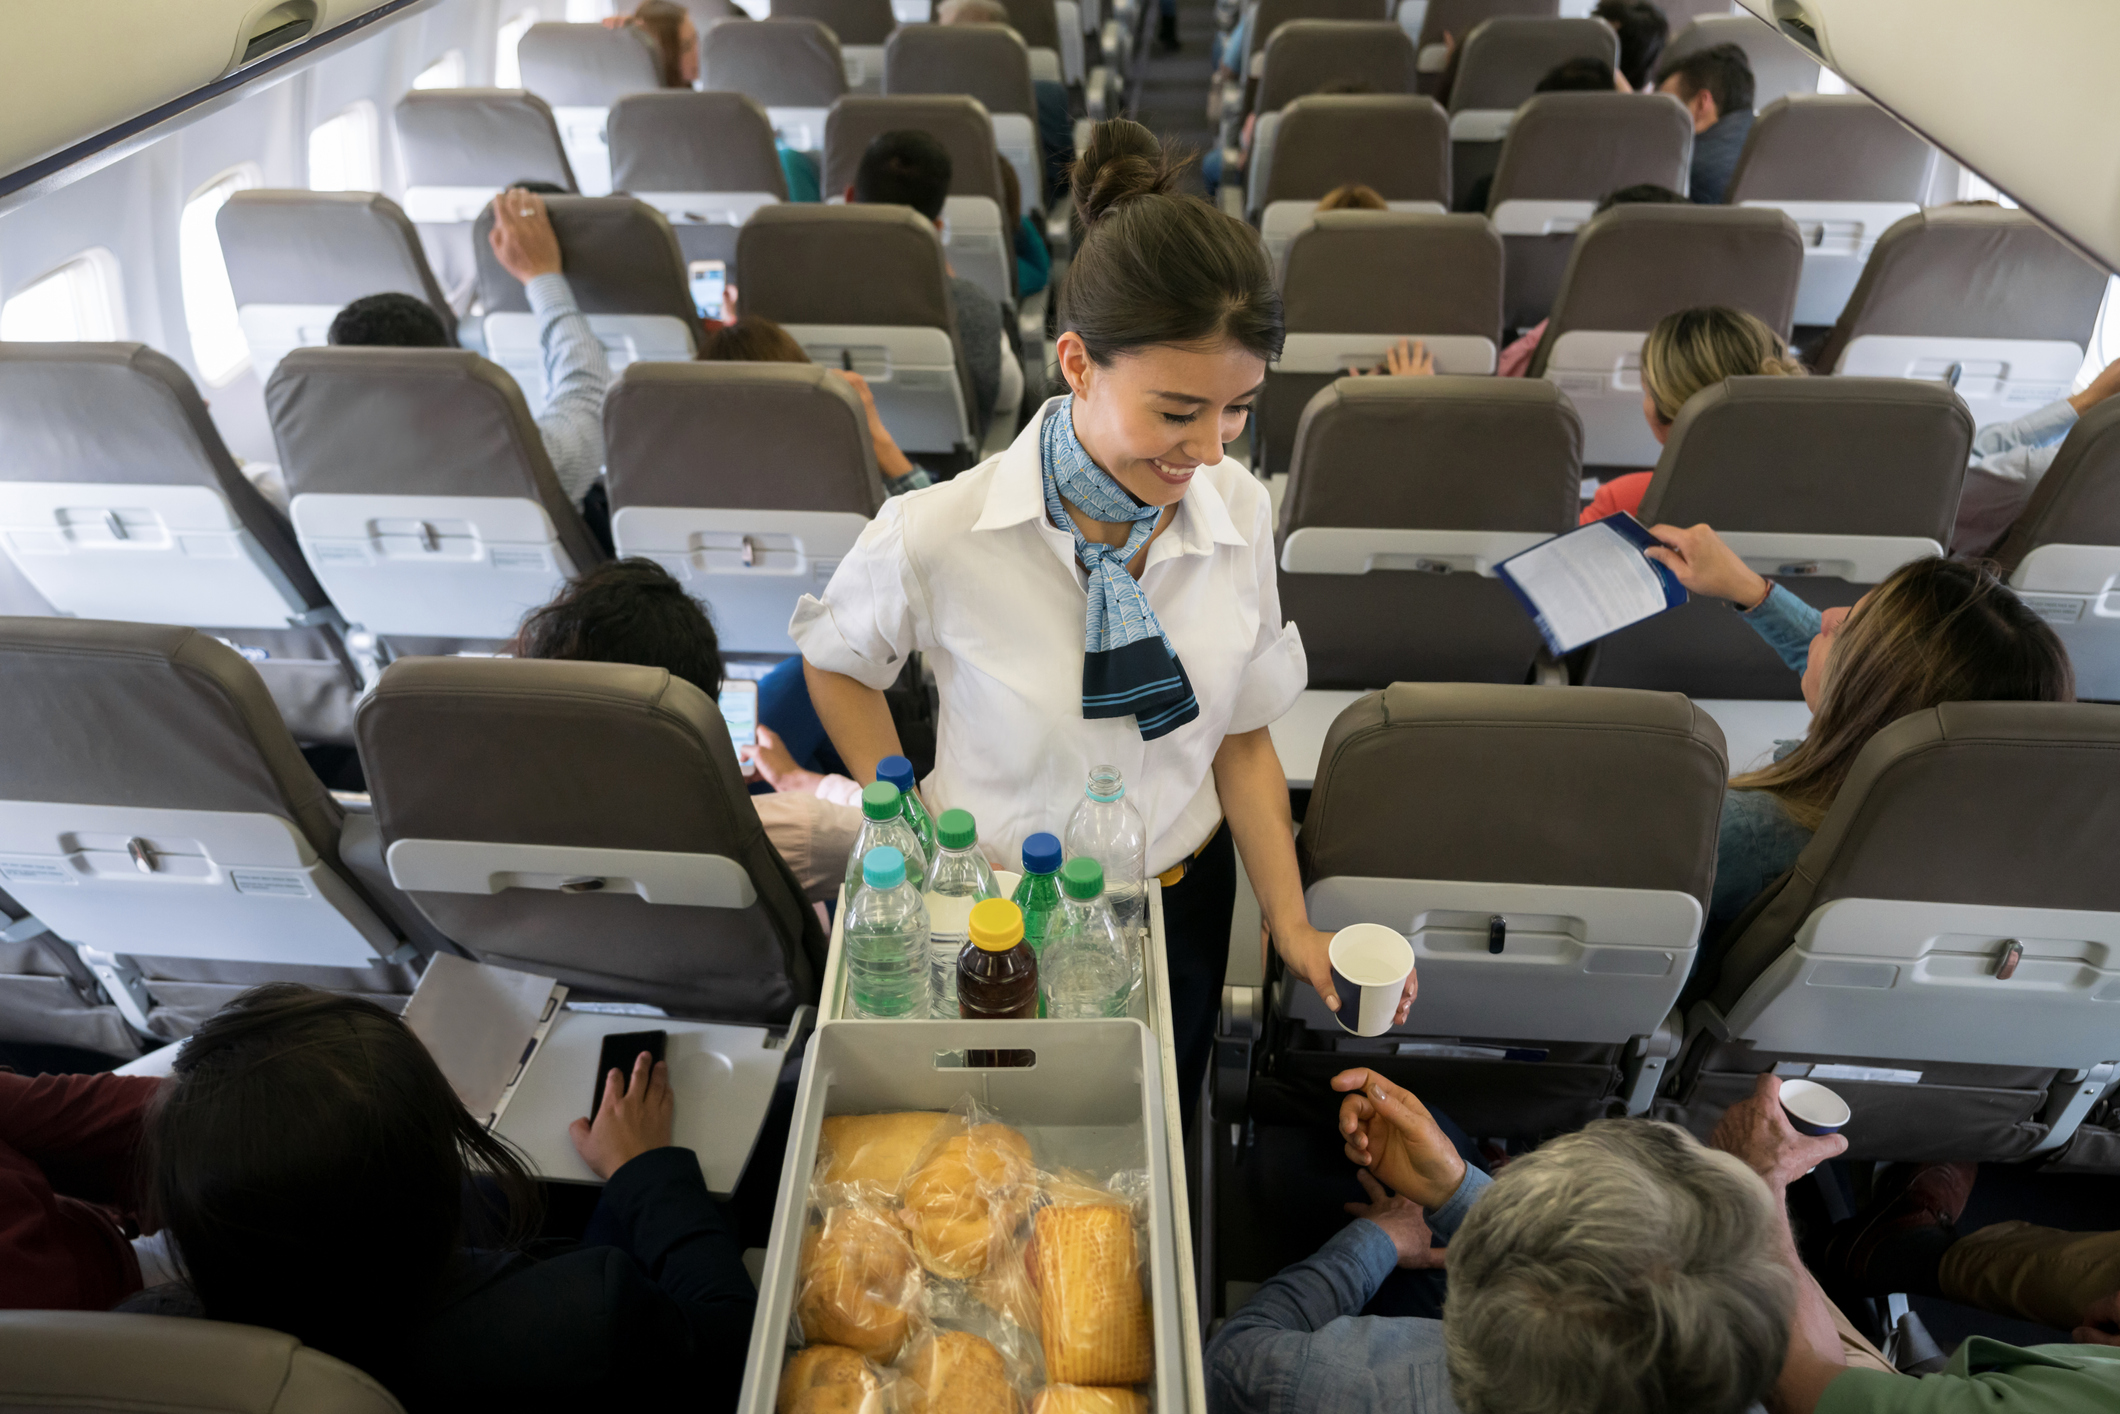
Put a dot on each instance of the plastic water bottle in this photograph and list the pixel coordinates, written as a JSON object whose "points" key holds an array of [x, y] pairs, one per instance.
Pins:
{"points": [[960, 878], [1087, 969], [886, 941], [1038, 895], [1106, 827], [899, 772], [882, 825]]}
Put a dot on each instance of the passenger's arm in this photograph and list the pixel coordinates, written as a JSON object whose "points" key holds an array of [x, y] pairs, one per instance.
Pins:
{"points": [[577, 374], [84, 1130], [892, 462], [1253, 1358], [1707, 566]]}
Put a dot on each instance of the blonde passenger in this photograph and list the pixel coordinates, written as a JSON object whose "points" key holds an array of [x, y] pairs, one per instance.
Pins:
{"points": [[1353, 196]]}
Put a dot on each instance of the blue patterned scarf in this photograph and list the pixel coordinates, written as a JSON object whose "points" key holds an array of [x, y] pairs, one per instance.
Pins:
{"points": [[1129, 668]]}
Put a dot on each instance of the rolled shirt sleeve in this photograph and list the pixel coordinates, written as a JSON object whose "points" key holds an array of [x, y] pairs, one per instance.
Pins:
{"points": [[577, 375], [1279, 670], [864, 626]]}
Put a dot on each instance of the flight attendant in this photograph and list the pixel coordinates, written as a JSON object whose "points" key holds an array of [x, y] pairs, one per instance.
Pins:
{"points": [[1103, 592]]}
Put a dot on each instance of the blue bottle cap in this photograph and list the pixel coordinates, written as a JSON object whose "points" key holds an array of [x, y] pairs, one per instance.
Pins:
{"points": [[897, 770], [1041, 854], [883, 867]]}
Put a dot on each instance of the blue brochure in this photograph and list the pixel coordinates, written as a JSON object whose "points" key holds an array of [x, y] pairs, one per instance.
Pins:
{"points": [[1592, 581]]}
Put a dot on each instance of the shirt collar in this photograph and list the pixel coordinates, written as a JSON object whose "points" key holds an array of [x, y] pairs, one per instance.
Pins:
{"points": [[1017, 494]]}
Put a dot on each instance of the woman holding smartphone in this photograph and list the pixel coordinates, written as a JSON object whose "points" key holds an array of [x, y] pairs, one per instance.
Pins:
{"points": [[1103, 592]]}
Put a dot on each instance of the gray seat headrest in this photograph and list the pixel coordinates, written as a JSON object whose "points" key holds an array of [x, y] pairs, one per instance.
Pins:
{"points": [[1501, 62], [857, 264], [851, 21], [586, 65], [479, 137], [1396, 143], [1585, 146], [621, 258], [1344, 274], [323, 247], [958, 122], [678, 140], [987, 62], [781, 63], [103, 1362], [1305, 55], [1830, 147]]}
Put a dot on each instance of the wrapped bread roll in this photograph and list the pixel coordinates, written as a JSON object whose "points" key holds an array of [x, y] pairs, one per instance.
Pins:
{"points": [[813, 1375], [859, 1283], [973, 1189], [955, 1372], [837, 1399], [875, 1151], [1093, 1315], [1088, 1399]]}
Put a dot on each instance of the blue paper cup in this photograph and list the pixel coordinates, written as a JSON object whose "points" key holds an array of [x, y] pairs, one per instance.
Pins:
{"points": [[1812, 1108]]}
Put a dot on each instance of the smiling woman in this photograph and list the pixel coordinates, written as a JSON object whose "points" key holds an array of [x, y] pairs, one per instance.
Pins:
{"points": [[1102, 594]]}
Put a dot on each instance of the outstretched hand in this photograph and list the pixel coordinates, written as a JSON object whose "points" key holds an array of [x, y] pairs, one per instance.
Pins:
{"points": [[1308, 953], [2101, 1322], [1390, 1133], [1757, 1131], [522, 237], [1707, 566], [632, 1119]]}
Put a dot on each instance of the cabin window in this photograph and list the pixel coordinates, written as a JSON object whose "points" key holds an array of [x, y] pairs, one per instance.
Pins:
{"points": [[507, 70], [343, 151], [587, 12], [1973, 187], [78, 301], [217, 343], [445, 72]]}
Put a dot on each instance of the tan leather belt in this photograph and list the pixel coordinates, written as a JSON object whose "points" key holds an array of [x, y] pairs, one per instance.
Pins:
{"points": [[1171, 877]]}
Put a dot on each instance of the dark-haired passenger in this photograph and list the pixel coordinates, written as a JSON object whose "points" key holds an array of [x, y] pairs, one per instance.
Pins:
{"points": [[1102, 593], [1642, 31], [633, 611], [577, 375], [1716, 86], [320, 1177]]}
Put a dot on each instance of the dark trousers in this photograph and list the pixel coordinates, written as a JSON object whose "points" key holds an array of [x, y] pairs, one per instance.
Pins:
{"points": [[1196, 916]]}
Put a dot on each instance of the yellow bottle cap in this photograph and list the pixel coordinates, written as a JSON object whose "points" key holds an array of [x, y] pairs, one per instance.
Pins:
{"points": [[997, 924]]}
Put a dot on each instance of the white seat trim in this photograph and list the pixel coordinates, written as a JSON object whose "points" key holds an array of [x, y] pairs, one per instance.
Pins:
{"points": [[484, 867], [1346, 550], [1345, 353]]}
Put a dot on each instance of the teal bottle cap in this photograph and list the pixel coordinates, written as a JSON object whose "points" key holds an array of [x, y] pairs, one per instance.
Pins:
{"points": [[883, 867], [879, 801], [1082, 878], [956, 830]]}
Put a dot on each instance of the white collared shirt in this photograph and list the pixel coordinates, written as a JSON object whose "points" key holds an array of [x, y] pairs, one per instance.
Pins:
{"points": [[972, 574]]}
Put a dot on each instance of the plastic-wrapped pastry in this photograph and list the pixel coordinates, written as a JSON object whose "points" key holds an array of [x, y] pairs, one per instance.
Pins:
{"points": [[1092, 1313], [825, 1379], [955, 1372], [860, 1283], [875, 1151], [1088, 1399], [973, 1189]]}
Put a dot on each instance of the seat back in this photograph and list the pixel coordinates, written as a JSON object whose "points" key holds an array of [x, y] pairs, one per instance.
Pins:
{"points": [[866, 287], [706, 161], [1844, 170], [105, 1362], [1459, 18], [959, 123], [1037, 21], [1581, 821], [1397, 144], [1388, 546], [1829, 484], [422, 494], [1936, 965], [461, 146], [627, 272], [747, 481], [987, 63], [581, 70], [1306, 55], [587, 821], [1779, 66], [1565, 153], [1346, 301], [1987, 292], [1499, 66], [152, 801], [862, 22], [792, 67], [296, 258], [1632, 266], [2062, 555]]}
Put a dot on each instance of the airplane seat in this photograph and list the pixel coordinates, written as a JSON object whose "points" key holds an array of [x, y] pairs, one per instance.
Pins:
{"points": [[792, 67], [1565, 153], [1045, 32], [1398, 144], [2062, 555], [1403, 494], [1825, 484], [627, 273], [989, 64], [747, 481], [1345, 301], [1779, 66], [1844, 170], [460, 147], [1942, 954], [1307, 55], [296, 258], [1268, 16], [1629, 268], [110, 1362], [706, 161], [866, 287], [588, 821], [862, 28], [118, 500], [1983, 298], [422, 494], [158, 819], [1460, 18], [1499, 67], [581, 70], [1550, 856]]}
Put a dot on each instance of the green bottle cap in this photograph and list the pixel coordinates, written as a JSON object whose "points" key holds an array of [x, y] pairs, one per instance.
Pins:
{"points": [[1082, 878], [879, 801], [955, 830]]}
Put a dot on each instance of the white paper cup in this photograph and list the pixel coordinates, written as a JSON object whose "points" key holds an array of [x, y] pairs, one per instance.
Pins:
{"points": [[1812, 1108], [1370, 964]]}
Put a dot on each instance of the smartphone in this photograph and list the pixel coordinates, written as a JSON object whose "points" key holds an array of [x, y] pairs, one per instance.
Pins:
{"points": [[739, 708], [710, 280], [619, 1053]]}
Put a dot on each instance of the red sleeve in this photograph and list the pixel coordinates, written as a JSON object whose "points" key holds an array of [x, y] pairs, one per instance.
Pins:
{"points": [[81, 1130], [1616, 494]]}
